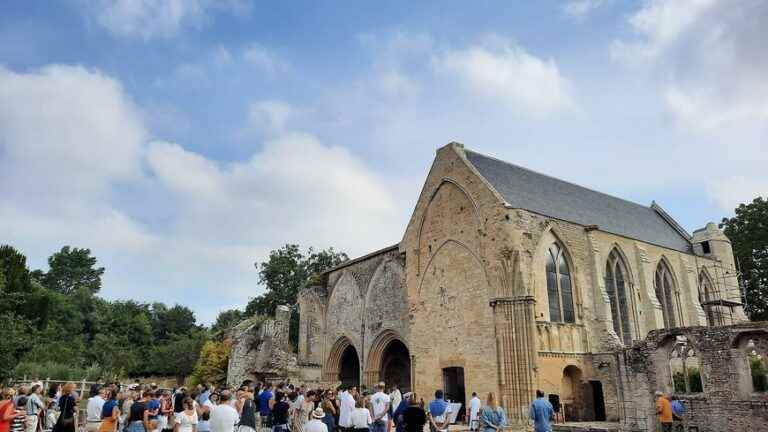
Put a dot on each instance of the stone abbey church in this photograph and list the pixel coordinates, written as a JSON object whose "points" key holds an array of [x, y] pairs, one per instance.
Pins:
{"points": [[508, 281]]}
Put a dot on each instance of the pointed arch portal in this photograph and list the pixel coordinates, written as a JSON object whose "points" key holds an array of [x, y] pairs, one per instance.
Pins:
{"points": [[343, 363], [390, 361], [349, 372]]}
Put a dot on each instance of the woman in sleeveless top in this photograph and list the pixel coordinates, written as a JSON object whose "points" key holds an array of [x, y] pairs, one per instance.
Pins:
{"points": [[110, 414], [247, 414]]}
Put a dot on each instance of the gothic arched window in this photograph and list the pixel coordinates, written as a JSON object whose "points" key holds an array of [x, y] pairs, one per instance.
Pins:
{"points": [[665, 293], [559, 286], [620, 294], [684, 367], [707, 296]]}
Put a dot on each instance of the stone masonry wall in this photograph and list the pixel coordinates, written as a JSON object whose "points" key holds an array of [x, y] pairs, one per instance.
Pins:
{"points": [[723, 405]]}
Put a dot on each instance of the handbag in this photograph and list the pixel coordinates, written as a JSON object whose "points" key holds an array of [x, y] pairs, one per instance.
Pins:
{"points": [[66, 422]]}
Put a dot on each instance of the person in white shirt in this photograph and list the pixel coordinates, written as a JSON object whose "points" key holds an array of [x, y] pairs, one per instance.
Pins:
{"points": [[360, 419], [316, 423], [223, 417], [396, 397], [474, 410], [380, 403], [346, 406], [186, 421], [93, 412]]}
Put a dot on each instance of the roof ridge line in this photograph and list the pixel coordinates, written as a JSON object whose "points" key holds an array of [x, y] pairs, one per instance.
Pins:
{"points": [[559, 179], [670, 220]]}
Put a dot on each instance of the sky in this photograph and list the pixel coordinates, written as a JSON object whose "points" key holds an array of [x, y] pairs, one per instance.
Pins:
{"points": [[182, 140]]}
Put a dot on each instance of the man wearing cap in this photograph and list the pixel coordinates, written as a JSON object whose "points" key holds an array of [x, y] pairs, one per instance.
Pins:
{"points": [[315, 424]]}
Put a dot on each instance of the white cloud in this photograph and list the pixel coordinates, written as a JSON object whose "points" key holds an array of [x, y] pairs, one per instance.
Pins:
{"points": [[68, 123], [149, 19], [707, 59], [268, 116], [262, 58], [711, 58], [507, 73], [78, 168], [659, 24], [729, 192], [580, 9]]}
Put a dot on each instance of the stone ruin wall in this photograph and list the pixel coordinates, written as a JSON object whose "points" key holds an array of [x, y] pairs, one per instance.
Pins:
{"points": [[260, 349], [727, 402]]}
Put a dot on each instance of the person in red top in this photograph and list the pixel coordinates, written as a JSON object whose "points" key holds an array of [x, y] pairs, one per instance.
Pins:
{"points": [[8, 411]]}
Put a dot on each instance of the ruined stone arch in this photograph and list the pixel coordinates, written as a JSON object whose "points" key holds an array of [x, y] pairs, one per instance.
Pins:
{"points": [[380, 273], [443, 182], [667, 290], [461, 245], [386, 302], [333, 371], [344, 316], [447, 221], [379, 355], [312, 313]]}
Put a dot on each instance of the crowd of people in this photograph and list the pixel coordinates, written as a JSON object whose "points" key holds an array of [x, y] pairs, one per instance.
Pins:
{"points": [[252, 407]]}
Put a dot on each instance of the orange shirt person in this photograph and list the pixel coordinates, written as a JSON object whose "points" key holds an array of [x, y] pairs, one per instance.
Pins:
{"points": [[664, 411]]}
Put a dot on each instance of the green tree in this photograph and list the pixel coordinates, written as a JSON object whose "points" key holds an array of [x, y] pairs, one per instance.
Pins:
{"points": [[176, 320], [748, 232], [225, 321], [285, 272], [15, 339], [70, 269], [179, 355], [211, 368]]}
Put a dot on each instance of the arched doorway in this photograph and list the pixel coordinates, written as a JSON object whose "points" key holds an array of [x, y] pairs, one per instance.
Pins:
{"points": [[571, 394], [349, 370], [390, 361], [396, 366], [343, 363]]}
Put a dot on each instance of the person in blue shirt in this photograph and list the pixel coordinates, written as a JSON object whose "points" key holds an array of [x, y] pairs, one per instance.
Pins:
{"points": [[678, 409], [492, 416], [541, 413], [264, 409]]}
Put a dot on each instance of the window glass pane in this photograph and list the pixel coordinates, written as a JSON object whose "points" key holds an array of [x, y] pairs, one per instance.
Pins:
{"points": [[659, 288], [554, 297], [670, 305], [610, 289], [567, 294], [563, 266], [550, 261], [624, 310]]}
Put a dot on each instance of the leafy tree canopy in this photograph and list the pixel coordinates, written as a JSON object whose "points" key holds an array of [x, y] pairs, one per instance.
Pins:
{"points": [[54, 322], [225, 321], [748, 232], [71, 269], [285, 272]]}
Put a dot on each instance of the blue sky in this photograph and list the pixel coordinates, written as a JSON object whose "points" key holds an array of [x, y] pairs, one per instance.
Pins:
{"points": [[181, 140]]}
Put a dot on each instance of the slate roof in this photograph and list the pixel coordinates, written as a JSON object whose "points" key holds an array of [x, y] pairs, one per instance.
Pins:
{"points": [[548, 196]]}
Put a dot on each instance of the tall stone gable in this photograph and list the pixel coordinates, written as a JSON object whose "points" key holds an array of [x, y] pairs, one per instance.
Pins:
{"points": [[462, 271]]}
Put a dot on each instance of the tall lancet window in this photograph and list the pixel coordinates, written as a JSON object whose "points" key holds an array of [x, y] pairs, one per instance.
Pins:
{"points": [[559, 286], [665, 293], [620, 294]]}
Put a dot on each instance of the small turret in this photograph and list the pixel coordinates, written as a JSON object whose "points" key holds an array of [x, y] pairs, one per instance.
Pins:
{"points": [[710, 242]]}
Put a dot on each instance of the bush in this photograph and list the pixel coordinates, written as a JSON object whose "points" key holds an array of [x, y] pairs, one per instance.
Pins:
{"points": [[759, 375]]}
